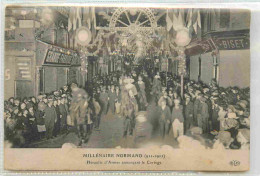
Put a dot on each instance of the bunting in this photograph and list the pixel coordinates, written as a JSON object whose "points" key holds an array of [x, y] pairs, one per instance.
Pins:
{"points": [[178, 21], [189, 18], [79, 16], [169, 23], [74, 20], [89, 20]]}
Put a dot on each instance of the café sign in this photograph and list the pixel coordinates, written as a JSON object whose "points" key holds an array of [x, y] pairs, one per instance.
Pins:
{"points": [[233, 43], [55, 57]]}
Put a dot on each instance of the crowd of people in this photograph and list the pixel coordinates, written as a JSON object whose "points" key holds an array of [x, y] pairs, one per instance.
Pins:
{"points": [[219, 114], [36, 118], [209, 111]]}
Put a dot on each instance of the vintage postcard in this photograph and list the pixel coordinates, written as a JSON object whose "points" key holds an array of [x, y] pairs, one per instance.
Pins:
{"points": [[126, 88]]}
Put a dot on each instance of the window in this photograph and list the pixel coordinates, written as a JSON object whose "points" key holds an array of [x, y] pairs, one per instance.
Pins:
{"points": [[224, 18]]}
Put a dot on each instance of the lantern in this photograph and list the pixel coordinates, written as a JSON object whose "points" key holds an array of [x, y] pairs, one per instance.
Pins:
{"points": [[83, 36], [182, 37]]}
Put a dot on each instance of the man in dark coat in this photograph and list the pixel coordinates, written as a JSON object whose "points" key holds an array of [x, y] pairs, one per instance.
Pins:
{"points": [[40, 119], [77, 95], [64, 113], [204, 115], [58, 121], [50, 118], [147, 83], [188, 113], [112, 98], [214, 119], [103, 98], [196, 108], [164, 118]]}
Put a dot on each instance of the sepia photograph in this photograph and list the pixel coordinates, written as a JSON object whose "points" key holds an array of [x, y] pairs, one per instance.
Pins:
{"points": [[130, 79]]}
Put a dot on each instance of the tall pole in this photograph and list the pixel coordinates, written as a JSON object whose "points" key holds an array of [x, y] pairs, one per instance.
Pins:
{"points": [[182, 85], [166, 72]]}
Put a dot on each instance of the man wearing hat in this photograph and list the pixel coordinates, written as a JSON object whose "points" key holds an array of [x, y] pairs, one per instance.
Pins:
{"points": [[147, 82], [167, 98], [112, 98], [203, 119], [50, 118], [31, 120], [77, 95], [157, 87], [188, 113], [104, 101], [64, 113], [177, 119], [165, 118], [65, 89], [214, 117], [196, 107], [45, 99]]}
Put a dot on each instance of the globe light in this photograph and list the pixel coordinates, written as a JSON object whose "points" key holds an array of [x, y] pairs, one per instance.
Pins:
{"points": [[182, 37], [23, 12], [132, 12]]}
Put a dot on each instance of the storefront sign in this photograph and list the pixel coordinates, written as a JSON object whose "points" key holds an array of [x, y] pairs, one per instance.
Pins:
{"points": [[54, 57], [23, 69], [233, 43], [225, 40]]}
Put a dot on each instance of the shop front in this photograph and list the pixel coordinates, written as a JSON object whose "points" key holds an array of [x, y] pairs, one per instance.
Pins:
{"points": [[223, 56], [59, 67], [19, 74]]}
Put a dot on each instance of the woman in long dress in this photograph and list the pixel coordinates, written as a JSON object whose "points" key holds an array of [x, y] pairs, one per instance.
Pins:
{"points": [[141, 94]]}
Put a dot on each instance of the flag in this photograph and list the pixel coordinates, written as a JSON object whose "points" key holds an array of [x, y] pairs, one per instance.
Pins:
{"points": [[74, 20], [175, 22], [87, 17], [199, 26], [195, 26], [94, 25], [169, 22], [189, 18], [93, 17], [71, 18], [199, 19], [78, 18], [181, 18]]}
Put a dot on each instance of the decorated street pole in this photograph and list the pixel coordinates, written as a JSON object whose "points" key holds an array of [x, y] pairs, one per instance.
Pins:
{"points": [[167, 68], [182, 39], [182, 67]]}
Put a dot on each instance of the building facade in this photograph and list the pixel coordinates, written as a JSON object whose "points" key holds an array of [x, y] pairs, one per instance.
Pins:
{"points": [[223, 55], [36, 55]]}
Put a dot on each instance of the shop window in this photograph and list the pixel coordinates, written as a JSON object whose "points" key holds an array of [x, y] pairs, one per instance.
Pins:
{"points": [[224, 18]]}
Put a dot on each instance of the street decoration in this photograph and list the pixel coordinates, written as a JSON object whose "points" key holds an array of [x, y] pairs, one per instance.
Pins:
{"points": [[83, 36], [132, 33]]}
